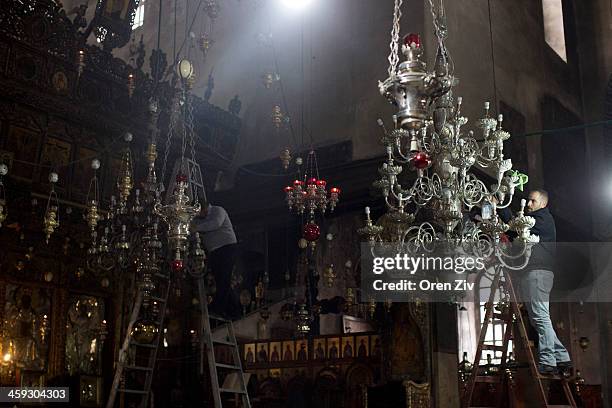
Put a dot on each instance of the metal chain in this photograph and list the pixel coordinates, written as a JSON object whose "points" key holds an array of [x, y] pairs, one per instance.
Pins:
{"points": [[394, 45], [190, 126], [173, 117], [185, 128], [440, 30]]}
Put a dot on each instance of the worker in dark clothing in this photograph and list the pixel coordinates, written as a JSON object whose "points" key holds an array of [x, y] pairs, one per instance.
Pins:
{"points": [[221, 245], [537, 281]]}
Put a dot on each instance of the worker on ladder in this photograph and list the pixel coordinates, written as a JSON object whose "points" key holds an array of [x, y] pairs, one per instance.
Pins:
{"points": [[536, 282], [220, 242]]}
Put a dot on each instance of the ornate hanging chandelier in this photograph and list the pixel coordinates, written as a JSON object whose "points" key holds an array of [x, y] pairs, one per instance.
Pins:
{"points": [[310, 192], [428, 140]]}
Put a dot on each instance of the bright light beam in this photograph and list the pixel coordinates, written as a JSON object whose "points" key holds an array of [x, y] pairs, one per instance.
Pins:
{"points": [[296, 4]]}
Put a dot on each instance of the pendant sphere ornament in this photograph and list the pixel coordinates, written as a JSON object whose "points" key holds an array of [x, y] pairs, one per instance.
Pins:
{"points": [[185, 69], [311, 232], [144, 331], [421, 160]]}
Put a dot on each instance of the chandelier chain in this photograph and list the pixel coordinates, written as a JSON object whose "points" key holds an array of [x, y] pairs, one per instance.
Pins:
{"points": [[185, 128], [394, 45], [190, 126], [169, 138], [440, 30]]}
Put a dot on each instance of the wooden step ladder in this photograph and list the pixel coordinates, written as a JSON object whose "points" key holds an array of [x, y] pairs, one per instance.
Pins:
{"points": [[132, 350], [513, 323], [222, 336]]}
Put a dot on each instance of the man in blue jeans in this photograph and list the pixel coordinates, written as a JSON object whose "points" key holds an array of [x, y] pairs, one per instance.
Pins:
{"points": [[536, 283]]}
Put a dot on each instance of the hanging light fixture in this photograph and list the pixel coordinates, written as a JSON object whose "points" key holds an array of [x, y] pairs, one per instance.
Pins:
{"points": [[428, 141], [51, 221], [310, 193]]}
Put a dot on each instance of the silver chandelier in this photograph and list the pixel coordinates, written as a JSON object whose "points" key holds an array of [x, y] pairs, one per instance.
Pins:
{"points": [[428, 138]]}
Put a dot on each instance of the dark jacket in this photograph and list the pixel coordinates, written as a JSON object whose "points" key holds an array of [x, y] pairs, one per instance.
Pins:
{"points": [[542, 254]]}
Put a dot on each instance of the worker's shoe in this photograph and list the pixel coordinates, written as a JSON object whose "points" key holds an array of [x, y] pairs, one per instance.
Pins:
{"points": [[545, 369], [565, 368]]}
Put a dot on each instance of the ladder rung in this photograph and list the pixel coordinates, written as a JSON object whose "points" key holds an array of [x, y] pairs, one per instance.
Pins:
{"points": [[229, 367], [133, 343], [132, 367], [226, 342], [232, 391], [493, 347], [218, 318], [128, 391], [488, 379], [555, 377]]}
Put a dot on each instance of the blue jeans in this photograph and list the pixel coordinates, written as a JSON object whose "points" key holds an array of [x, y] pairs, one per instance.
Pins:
{"points": [[535, 287]]}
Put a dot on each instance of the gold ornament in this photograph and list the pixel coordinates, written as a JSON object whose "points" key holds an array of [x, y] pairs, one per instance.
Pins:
{"points": [[92, 217], [302, 243], [277, 117], [144, 331], [371, 307], [205, 42], [51, 222], [285, 157], [259, 292], [329, 275], [125, 183]]}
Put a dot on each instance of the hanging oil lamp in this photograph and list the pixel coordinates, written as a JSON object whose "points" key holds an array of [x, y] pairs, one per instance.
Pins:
{"points": [[329, 275], [91, 213], [285, 158], [277, 117], [178, 215], [51, 221]]}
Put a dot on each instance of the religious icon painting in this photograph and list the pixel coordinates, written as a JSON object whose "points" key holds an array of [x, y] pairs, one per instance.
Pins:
{"points": [[319, 349], [275, 372], [375, 346], [333, 347], [288, 351], [275, 352], [249, 353], [262, 353], [362, 345], [348, 347], [301, 350], [55, 155]]}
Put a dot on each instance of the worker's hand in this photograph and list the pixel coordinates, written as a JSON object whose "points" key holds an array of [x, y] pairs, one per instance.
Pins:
{"points": [[204, 211]]}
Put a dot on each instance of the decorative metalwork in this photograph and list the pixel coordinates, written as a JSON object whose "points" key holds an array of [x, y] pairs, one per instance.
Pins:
{"points": [[427, 139], [269, 79], [51, 221], [303, 319], [86, 332], [310, 193], [113, 22]]}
